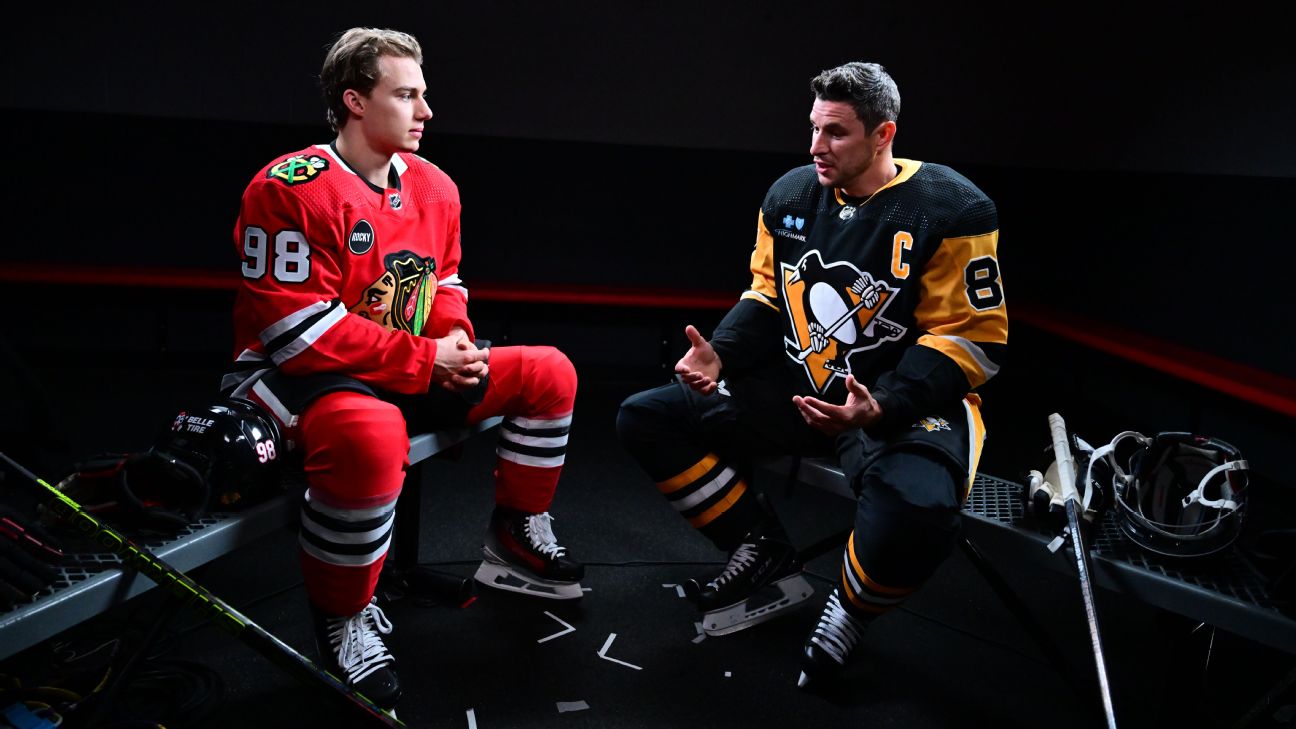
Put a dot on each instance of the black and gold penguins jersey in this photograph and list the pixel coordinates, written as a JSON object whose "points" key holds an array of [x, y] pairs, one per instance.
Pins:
{"points": [[901, 289]]}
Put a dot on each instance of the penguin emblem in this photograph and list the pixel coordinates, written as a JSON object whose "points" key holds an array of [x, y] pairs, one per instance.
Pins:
{"points": [[835, 311]]}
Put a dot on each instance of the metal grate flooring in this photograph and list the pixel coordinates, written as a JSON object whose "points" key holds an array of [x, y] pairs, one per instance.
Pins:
{"points": [[1226, 574]]}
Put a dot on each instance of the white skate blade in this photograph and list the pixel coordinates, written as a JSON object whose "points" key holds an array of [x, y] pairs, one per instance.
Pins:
{"points": [[771, 601], [802, 680], [505, 577]]}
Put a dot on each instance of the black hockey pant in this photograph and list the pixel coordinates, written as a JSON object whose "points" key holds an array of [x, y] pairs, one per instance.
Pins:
{"points": [[699, 449]]}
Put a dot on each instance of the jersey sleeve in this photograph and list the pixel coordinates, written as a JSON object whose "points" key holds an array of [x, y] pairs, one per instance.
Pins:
{"points": [[963, 318], [290, 296], [450, 305], [752, 331]]}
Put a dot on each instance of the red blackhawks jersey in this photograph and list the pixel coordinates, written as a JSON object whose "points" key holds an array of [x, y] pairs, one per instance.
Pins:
{"points": [[341, 276]]}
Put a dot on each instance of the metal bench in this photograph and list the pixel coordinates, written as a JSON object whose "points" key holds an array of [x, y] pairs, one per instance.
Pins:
{"points": [[91, 583], [1226, 594]]}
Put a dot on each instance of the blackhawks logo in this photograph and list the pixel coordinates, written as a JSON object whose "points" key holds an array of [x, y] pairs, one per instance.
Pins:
{"points": [[298, 169], [836, 311], [402, 296]]}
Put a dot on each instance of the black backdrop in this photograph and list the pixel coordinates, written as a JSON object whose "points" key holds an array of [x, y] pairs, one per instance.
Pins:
{"points": [[1139, 158]]}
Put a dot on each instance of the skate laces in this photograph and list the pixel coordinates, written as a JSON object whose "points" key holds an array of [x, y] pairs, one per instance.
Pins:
{"points": [[838, 632], [539, 530], [357, 644], [742, 558]]}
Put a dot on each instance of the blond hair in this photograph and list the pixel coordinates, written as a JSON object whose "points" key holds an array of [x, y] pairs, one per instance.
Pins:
{"points": [[352, 63]]}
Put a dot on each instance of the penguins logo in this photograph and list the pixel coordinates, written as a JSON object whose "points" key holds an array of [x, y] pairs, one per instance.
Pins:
{"points": [[402, 296], [836, 311], [931, 424]]}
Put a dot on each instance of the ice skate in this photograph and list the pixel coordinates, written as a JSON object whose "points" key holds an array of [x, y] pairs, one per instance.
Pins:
{"points": [[830, 646], [522, 555], [762, 580], [353, 650]]}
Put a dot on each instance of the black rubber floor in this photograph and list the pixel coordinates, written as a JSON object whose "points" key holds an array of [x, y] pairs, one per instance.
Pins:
{"points": [[952, 656]]}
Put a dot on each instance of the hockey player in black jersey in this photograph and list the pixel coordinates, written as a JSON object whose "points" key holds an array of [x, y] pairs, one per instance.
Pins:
{"points": [[876, 309]]}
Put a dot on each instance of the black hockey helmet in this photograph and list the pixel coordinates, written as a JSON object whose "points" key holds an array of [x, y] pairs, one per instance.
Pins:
{"points": [[233, 445], [216, 457], [1178, 494]]}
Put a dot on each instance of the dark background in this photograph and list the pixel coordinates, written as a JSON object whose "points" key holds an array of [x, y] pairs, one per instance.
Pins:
{"points": [[1139, 157]]}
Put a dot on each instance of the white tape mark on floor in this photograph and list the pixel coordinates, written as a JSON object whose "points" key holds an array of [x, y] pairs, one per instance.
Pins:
{"points": [[566, 628], [603, 654]]}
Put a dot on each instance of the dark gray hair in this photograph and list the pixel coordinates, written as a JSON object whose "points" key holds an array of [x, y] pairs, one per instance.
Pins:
{"points": [[352, 63], [867, 87]]}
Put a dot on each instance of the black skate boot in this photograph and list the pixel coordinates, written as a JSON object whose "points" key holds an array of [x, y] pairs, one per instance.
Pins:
{"points": [[522, 555], [353, 650], [762, 580], [830, 645]]}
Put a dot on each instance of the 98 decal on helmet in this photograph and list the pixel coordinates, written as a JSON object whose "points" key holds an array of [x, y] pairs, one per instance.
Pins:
{"points": [[217, 457], [233, 445]]}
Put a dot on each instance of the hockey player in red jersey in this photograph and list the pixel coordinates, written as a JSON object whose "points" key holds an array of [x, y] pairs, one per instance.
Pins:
{"points": [[876, 308], [351, 325]]}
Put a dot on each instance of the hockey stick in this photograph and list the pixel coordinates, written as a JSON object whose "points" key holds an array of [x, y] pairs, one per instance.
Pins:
{"points": [[1067, 475], [219, 612]]}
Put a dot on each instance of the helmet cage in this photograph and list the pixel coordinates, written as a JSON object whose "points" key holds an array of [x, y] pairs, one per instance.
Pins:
{"points": [[1179, 494]]}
